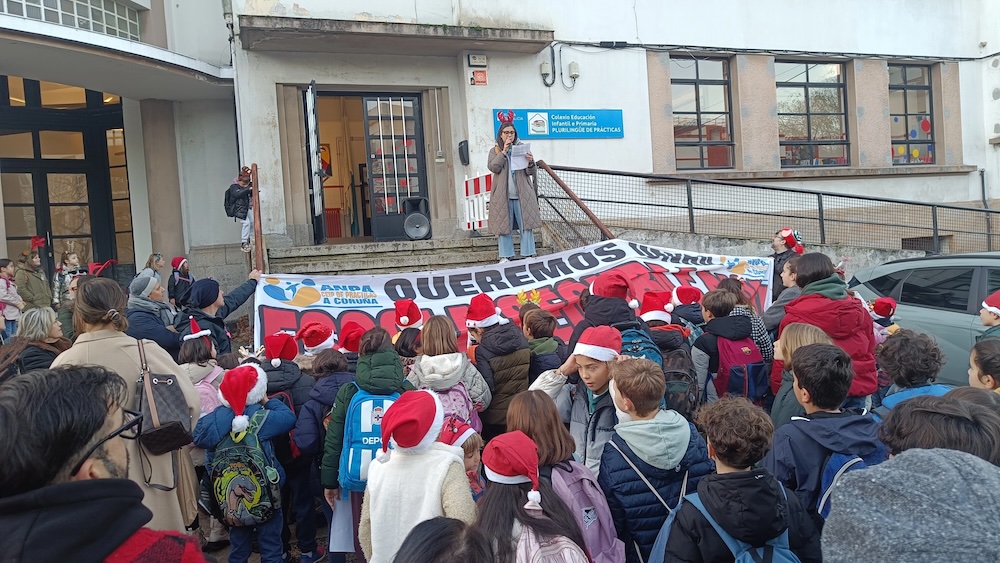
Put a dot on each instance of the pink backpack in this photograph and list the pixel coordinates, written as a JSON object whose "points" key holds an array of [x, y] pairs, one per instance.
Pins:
{"points": [[578, 488], [742, 371], [208, 393], [456, 402]]}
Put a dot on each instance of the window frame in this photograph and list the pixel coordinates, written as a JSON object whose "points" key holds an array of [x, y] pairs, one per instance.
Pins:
{"points": [[807, 85], [702, 144], [973, 287], [905, 87]]}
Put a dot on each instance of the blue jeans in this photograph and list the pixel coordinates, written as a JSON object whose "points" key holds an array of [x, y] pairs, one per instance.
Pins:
{"points": [[268, 538], [527, 236]]}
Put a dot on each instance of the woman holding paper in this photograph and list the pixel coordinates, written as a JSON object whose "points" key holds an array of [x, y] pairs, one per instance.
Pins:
{"points": [[511, 163]]}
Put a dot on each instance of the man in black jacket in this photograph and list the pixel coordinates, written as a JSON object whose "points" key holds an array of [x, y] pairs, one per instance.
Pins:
{"points": [[210, 306], [238, 198], [786, 243]]}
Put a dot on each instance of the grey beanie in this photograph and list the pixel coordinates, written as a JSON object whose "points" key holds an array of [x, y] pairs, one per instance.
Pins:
{"points": [[142, 286], [921, 505]]}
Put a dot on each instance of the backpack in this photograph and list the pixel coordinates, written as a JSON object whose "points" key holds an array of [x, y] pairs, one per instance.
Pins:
{"points": [[456, 402], [229, 203], [578, 488], [696, 330], [285, 449], [362, 437], [836, 465], [681, 393], [742, 371], [776, 550], [244, 483], [637, 343]]}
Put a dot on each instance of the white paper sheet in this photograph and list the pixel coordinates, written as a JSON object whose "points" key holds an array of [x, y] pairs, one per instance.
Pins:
{"points": [[518, 156], [341, 527]]}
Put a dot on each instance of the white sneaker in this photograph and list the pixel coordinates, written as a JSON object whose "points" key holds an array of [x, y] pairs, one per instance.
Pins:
{"points": [[504, 260]]}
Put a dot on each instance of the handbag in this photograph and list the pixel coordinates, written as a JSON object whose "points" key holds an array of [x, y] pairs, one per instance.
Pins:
{"points": [[166, 421]]}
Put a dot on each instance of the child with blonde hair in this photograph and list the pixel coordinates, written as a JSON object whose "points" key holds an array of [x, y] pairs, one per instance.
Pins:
{"points": [[795, 336]]}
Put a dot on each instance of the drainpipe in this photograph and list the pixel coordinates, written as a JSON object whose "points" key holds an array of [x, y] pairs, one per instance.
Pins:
{"points": [[986, 205]]}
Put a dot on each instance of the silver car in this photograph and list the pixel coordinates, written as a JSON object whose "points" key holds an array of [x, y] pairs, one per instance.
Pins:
{"points": [[940, 296]]}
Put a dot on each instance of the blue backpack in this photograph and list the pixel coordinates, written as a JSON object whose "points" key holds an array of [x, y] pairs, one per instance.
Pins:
{"points": [[637, 343], [362, 437], [776, 550], [837, 464]]}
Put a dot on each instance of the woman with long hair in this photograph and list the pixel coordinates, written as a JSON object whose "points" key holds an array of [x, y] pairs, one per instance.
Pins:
{"points": [[514, 188], [38, 341]]}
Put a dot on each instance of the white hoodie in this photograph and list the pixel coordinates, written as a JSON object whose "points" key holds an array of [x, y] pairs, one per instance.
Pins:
{"points": [[441, 373]]}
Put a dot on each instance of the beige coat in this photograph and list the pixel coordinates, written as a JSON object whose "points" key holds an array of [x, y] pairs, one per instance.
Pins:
{"points": [[500, 219], [119, 352]]}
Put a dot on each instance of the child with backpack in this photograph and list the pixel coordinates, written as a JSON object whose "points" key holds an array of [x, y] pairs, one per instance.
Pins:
{"points": [[547, 351], [352, 440], [726, 359], [759, 333], [653, 458], [738, 505], [418, 479], [245, 473], [609, 305], [984, 365], [666, 335], [460, 435], [238, 204], [10, 302], [810, 451], [534, 413], [795, 336], [685, 306], [179, 284], [315, 337], [449, 373], [913, 361]]}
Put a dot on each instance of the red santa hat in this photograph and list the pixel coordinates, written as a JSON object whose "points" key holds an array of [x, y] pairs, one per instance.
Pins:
{"points": [[316, 337], [408, 315], [792, 239], [601, 343], [613, 284], [414, 422], [280, 346], [992, 303], [177, 262], [483, 313], [350, 337], [884, 307], [196, 331], [654, 306], [241, 386], [512, 459], [455, 432], [684, 295]]}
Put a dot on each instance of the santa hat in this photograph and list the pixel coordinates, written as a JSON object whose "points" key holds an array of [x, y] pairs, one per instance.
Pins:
{"points": [[483, 313], [280, 346], [684, 295], [408, 315], [177, 262], [413, 422], [316, 337], [792, 239], [601, 343], [350, 337], [612, 284], [654, 307], [196, 331], [241, 386], [884, 307], [992, 303], [455, 432], [512, 459]]}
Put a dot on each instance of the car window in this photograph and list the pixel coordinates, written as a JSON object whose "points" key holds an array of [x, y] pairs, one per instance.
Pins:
{"points": [[942, 288], [992, 281], [884, 285]]}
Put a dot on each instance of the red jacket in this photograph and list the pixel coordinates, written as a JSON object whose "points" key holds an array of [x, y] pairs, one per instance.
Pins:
{"points": [[849, 325]]}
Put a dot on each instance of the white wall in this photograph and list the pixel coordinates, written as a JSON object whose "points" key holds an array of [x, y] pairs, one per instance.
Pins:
{"points": [[135, 155], [198, 29]]}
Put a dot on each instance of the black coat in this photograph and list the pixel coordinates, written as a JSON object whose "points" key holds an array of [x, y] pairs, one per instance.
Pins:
{"points": [[690, 313], [34, 357], [240, 197], [144, 324], [217, 324], [750, 506], [605, 311], [779, 264], [179, 288], [288, 377]]}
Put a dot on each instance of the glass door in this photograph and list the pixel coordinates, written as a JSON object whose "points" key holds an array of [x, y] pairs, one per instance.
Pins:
{"points": [[396, 166], [316, 171]]}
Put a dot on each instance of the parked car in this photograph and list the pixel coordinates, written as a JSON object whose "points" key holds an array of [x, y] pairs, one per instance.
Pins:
{"points": [[940, 296]]}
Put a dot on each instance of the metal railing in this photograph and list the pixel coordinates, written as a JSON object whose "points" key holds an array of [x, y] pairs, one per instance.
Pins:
{"points": [[623, 201]]}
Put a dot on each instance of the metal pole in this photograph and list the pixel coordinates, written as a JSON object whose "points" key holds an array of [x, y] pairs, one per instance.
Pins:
{"points": [[934, 224], [822, 219], [690, 203]]}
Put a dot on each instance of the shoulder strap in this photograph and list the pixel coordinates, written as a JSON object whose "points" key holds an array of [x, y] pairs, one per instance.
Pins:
{"points": [[646, 481], [734, 545], [147, 384]]}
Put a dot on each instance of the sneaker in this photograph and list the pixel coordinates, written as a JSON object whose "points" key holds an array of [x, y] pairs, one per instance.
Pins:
{"points": [[504, 260], [214, 546], [317, 556], [245, 247]]}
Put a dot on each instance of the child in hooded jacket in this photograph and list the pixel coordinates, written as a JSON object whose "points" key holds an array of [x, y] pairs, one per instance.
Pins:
{"points": [[547, 351]]}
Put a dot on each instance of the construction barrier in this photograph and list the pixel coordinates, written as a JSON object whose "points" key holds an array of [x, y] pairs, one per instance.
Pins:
{"points": [[477, 201]]}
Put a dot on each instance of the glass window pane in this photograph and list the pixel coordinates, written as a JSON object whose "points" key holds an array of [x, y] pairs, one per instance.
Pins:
{"points": [[683, 97], [712, 70], [116, 147], [15, 86], [796, 155], [67, 188], [792, 128], [897, 128], [125, 248], [61, 144], [70, 220], [940, 288], [112, 99], [828, 128], [60, 96], [896, 74], [825, 73], [688, 157], [719, 157], [715, 127], [682, 67], [918, 101], [831, 155], [686, 128], [80, 245], [119, 183], [825, 100], [918, 127], [51, 16], [20, 222], [713, 98], [123, 215], [14, 9], [17, 188], [917, 76], [897, 101], [15, 144], [67, 6], [920, 153], [33, 12], [789, 72], [791, 100]]}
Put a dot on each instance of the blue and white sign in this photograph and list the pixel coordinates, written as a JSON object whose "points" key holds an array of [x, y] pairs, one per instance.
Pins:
{"points": [[563, 123]]}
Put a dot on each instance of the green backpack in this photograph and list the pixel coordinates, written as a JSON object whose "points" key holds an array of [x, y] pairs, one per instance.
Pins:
{"points": [[244, 483]]}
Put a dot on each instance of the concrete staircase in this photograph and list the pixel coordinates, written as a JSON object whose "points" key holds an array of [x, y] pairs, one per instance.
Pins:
{"points": [[388, 257]]}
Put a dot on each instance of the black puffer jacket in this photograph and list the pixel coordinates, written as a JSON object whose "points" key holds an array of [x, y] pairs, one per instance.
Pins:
{"points": [[240, 198], [605, 311], [750, 506], [288, 377], [503, 358], [217, 323]]}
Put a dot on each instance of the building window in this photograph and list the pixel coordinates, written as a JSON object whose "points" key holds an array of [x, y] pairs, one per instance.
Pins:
{"points": [[910, 114], [103, 16], [703, 135], [812, 120]]}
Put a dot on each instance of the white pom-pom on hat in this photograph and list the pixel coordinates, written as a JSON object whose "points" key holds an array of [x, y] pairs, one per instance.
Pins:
{"points": [[404, 320], [241, 423], [534, 500], [276, 362], [633, 304]]}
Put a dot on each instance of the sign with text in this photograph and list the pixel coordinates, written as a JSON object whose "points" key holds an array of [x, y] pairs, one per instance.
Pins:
{"points": [[564, 123], [285, 302]]}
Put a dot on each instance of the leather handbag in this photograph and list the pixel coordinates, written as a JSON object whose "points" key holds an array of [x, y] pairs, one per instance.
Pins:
{"points": [[166, 421]]}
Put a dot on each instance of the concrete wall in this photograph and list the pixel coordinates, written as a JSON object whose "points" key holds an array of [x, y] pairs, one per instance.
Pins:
{"points": [[197, 29]]}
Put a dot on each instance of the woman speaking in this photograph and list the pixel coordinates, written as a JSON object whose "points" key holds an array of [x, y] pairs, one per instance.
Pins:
{"points": [[513, 186]]}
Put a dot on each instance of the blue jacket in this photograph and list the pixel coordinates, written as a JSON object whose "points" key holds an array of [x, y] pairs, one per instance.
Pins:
{"points": [[214, 426], [897, 395], [637, 513], [144, 324], [309, 433]]}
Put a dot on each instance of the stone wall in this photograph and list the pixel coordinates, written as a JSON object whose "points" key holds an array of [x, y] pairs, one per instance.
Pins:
{"points": [[226, 264]]}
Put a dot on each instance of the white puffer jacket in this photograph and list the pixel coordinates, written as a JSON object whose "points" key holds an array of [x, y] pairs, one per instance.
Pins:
{"points": [[441, 373]]}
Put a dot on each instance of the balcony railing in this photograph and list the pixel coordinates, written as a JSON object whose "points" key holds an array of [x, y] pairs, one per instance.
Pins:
{"points": [[103, 16]]}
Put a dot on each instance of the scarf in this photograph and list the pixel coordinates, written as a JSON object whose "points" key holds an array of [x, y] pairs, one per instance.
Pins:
{"points": [[162, 310]]}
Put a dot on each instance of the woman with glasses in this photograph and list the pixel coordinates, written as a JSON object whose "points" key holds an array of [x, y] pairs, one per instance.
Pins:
{"points": [[168, 481], [154, 263], [513, 187], [38, 341]]}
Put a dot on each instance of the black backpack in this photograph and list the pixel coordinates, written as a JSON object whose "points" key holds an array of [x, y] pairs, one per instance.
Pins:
{"points": [[229, 203], [681, 394]]}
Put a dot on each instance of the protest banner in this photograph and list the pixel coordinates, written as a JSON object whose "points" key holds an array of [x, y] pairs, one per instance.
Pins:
{"points": [[285, 302]]}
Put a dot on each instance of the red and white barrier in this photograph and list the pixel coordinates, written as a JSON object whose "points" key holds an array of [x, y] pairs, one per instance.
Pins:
{"points": [[477, 201]]}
